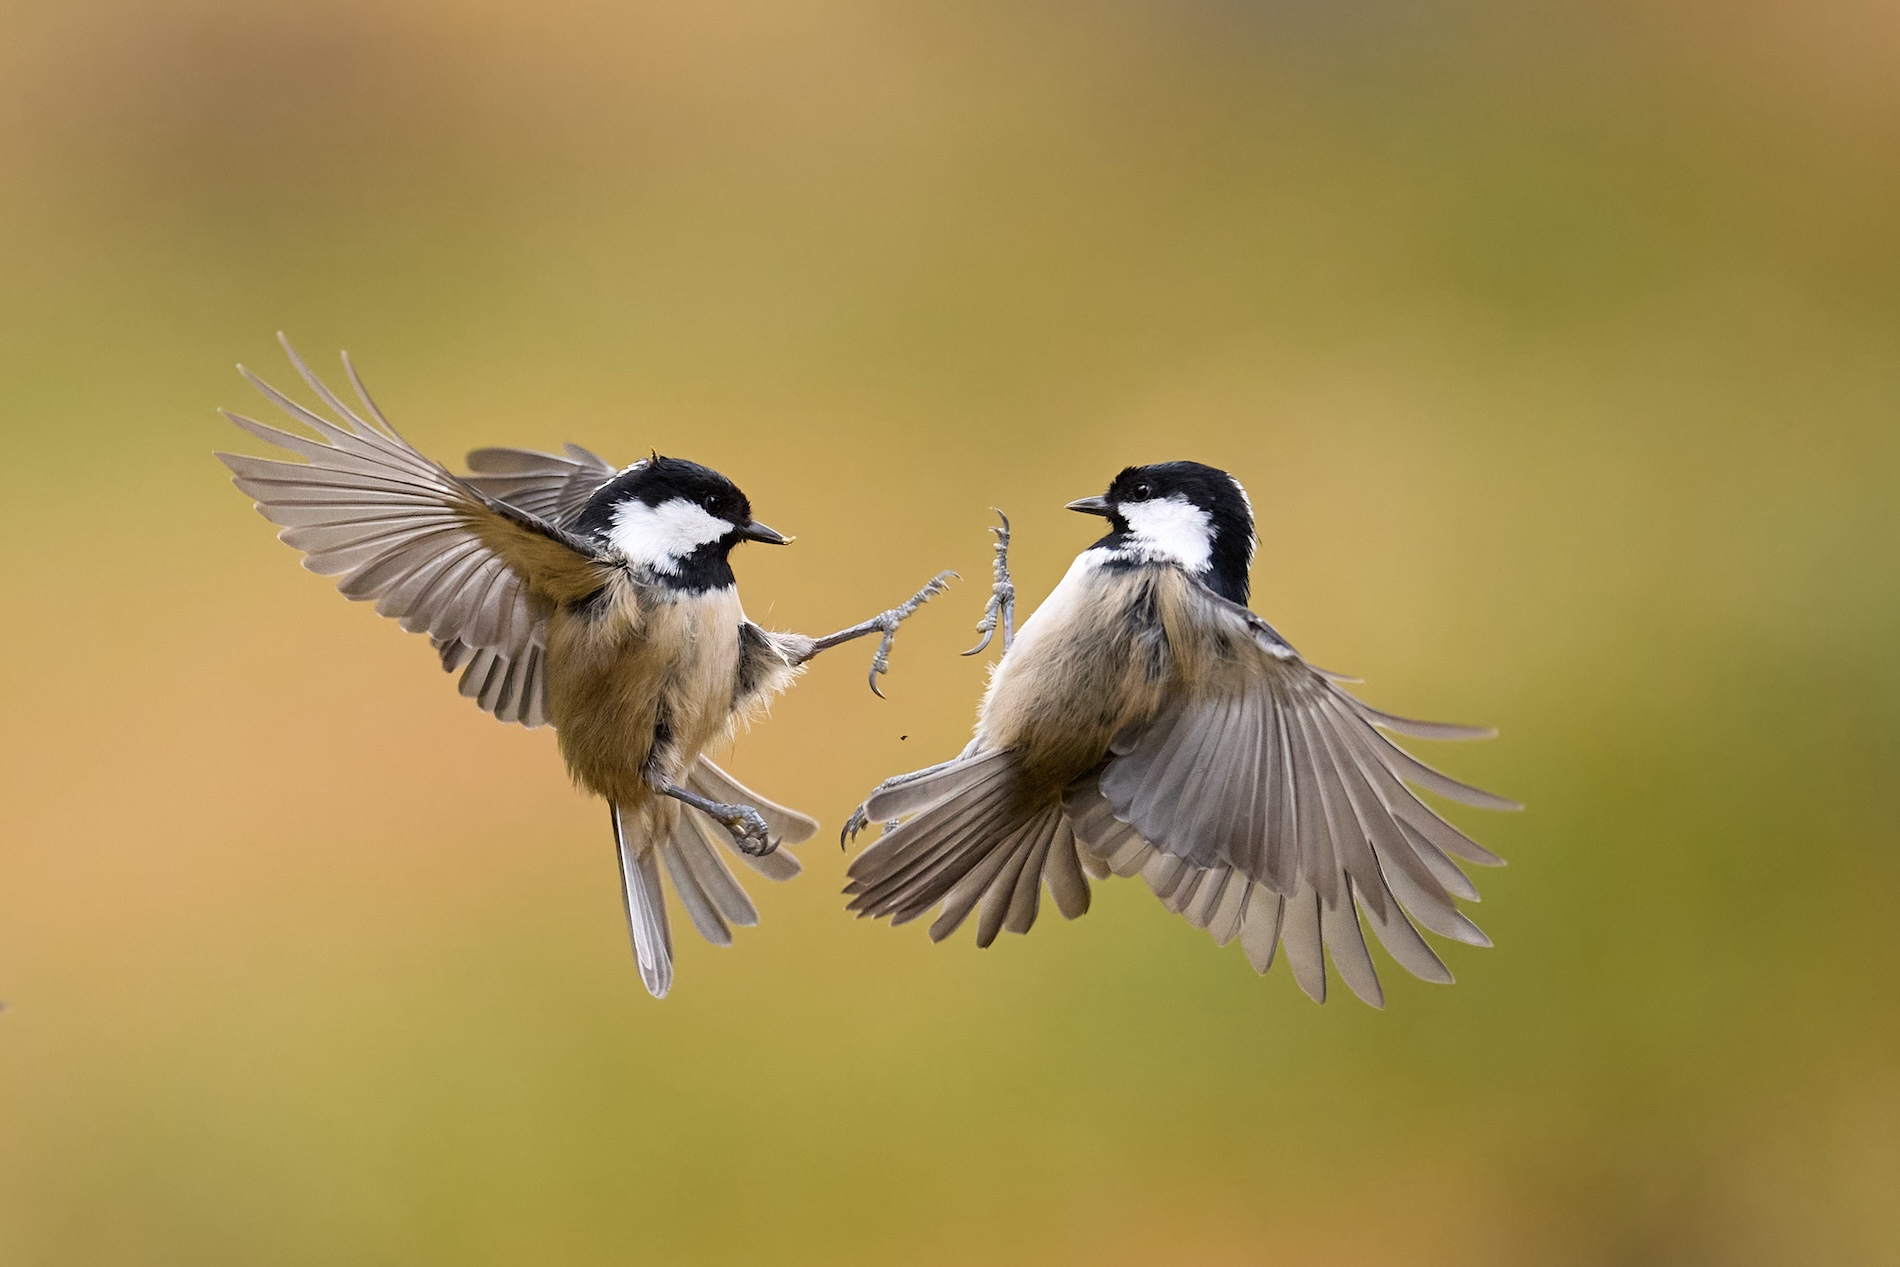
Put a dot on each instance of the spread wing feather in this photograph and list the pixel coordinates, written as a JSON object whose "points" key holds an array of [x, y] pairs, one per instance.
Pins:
{"points": [[1281, 781], [430, 549], [1265, 806], [554, 487]]}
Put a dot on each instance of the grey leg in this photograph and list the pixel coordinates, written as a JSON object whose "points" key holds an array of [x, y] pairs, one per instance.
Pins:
{"points": [[885, 623], [859, 819], [745, 824], [1002, 608]]}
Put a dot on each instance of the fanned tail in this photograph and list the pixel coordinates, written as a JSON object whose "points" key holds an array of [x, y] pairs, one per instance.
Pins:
{"points": [[690, 845], [972, 844]]}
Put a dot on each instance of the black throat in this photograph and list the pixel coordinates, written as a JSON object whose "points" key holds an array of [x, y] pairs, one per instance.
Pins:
{"points": [[707, 568]]}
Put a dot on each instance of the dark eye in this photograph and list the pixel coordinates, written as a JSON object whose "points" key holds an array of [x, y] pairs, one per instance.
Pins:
{"points": [[710, 501], [1143, 492]]}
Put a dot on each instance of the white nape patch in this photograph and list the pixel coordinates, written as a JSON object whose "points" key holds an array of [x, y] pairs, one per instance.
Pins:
{"points": [[660, 536], [1170, 529]]}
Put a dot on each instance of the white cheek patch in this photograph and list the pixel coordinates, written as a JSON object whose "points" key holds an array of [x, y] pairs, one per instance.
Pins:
{"points": [[1171, 528], [660, 536]]}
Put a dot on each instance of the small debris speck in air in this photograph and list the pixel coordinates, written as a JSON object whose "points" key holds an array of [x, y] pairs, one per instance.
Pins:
{"points": [[902, 738]]}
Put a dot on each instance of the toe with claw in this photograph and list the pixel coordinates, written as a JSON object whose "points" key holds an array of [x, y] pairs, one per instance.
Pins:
{"points": [[749, 832], [887, 623], [858, 821], [1001, 611]]}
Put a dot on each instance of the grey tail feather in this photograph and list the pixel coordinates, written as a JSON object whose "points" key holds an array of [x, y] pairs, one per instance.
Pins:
{"points": [[911, 793], [788, 825], [970, 843], [646, 911], [701, 880]]}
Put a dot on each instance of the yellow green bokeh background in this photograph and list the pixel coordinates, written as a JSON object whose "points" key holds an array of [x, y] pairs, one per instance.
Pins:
{"points": [[1558, 343]]}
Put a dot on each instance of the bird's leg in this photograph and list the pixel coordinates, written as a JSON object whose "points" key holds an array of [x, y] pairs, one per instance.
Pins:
{"points": [[859, 819], [885, 623], [1002, 608], [745, 824]]}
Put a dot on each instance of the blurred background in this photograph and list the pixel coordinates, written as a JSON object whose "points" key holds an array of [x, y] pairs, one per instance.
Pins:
{"points": [[1556, 341]]}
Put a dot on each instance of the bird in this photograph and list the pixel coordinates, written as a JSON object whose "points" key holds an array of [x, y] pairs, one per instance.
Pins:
{"points": [[1145, 721], [571, 593]]}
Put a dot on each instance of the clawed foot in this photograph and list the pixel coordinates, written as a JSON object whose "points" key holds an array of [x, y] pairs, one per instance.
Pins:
{"points": [[747, 827], [1002, 606], [887, 623], [858, 821]]}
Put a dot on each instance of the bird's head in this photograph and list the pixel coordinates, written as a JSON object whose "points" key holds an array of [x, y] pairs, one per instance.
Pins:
{"points": [[1194, 516], [677, 518]]}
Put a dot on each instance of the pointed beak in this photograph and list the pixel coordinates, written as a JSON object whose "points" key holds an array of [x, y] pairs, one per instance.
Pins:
{"points": [[756, 531], [1090, 506]]}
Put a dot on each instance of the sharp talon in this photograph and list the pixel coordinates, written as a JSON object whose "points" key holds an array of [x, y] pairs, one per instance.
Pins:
{"points": [[888, 622], [1001, 611], [749, 832], [852, 826]]}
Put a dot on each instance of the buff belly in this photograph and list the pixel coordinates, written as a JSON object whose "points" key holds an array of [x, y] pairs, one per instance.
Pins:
{"points": [[642, 684], [1092, 659]]}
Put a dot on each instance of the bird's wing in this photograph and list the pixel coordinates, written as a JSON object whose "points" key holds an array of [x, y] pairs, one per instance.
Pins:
{"points": [[476, 574], [511, 683], [548, 486], [1272, 778]]}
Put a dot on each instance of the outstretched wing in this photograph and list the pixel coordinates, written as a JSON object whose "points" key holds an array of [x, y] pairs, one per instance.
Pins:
{"points": [[1269, 797], [547, 485], [512, 683], [476, 574]]}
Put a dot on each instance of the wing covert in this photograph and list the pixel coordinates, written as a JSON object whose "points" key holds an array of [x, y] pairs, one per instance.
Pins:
{"points": [[427, 547], [1270, 785], [553, 487]]}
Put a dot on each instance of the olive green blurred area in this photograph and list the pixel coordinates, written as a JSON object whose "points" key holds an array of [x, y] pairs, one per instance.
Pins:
{"points": [[1557, 343]]}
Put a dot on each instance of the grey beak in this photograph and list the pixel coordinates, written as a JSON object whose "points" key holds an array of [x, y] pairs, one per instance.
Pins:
{"points": [[756, 531], [1090, 506]]}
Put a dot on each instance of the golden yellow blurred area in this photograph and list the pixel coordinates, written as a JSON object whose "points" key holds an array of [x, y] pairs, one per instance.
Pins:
{"points": [[1558, 344]]}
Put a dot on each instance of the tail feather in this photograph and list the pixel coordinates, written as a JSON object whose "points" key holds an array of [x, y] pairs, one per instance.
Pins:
{"points": [[646, 912], [690, 862], [909, 793], [701, 879], [992, 882], [968, 844], [714, 876], [788, 826], [944, 850], [925, 839]]}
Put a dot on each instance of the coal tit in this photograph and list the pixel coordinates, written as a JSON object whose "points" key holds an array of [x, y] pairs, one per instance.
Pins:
{"points": [[598, 600], [1146, 722]]}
